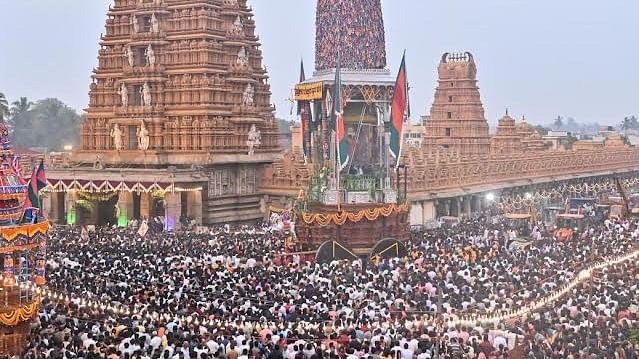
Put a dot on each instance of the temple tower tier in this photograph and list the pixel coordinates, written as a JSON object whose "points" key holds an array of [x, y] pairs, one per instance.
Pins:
{"points": [[177, 82]]}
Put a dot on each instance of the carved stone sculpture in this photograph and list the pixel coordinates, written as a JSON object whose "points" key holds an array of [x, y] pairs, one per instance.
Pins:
{"points": [[124, 95], [155, 24], [247, 96], [150, 55], [143, 137], [242, 57], [254, 140], [238, 26], [129, 55], [146, 94], [136, 24], [116, 134]]}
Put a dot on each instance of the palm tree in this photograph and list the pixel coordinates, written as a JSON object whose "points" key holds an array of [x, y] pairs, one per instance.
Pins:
{"points": [[4, 107], [21, 106], [19, 111]]}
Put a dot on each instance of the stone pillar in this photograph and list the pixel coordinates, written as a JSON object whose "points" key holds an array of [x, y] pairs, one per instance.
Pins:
{"points": [[468, 211], [194, 209], [49, 203], [479, 203], [125, 204], [447, 205], [416, 215], [429, 211], [457, 207], [173, 203], [69, 204], [145, 205]]}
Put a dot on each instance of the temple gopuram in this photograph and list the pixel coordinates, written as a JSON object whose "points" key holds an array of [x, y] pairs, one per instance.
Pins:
{"points": [[457, 121], [179, 121]]}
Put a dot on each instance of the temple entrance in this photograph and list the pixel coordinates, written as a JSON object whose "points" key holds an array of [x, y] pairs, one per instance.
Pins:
{"points": [[137, 198], [157, 207], [106, 211]]}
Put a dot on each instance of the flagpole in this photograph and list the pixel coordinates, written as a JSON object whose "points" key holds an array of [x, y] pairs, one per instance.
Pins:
{"points": [[337, 173]]}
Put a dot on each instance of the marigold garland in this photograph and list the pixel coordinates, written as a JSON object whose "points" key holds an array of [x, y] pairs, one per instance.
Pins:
{"points": [[21, 314], [370, 214]]}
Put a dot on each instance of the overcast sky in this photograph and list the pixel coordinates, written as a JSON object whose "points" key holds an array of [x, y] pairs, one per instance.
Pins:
{"points": [[539, 58]]}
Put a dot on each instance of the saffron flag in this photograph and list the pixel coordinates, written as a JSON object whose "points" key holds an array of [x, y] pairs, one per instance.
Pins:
{"points": [[304, 111], [338, 121], [398, 110], [37, 182]]}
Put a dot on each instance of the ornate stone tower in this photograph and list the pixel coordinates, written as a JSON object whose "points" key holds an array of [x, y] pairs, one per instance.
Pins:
{"points": [[178, 82], [457, 120], [352, 28], [179, 104]]}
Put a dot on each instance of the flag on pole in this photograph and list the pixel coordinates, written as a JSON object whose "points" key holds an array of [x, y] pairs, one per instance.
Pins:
{"points": [[37, 182], [15, 165], [338, 121], [398, 110], [304, 111]]}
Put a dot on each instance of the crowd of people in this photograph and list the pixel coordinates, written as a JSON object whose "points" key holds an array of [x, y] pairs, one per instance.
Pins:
{"points": [[354, 29], [231, 294]]}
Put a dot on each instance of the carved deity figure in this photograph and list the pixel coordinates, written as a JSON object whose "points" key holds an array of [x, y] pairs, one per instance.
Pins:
{"points": [[124, 95], [116, 134], [150, 55], [97, 164], [129, 56], [143, 137], [247, 96], [238, 26], [136, 24], [155, 24], [242, 57], [254, 140], [146, 94]]}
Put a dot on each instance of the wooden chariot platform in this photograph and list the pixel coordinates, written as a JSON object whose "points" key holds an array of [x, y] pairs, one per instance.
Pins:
{"points": [[357, 228]]}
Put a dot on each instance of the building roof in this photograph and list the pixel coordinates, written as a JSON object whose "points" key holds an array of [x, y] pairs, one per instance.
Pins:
{"points": [[24, 151]]}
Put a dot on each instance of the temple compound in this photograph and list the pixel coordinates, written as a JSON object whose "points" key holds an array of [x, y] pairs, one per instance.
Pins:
{"points": [[179, 120], [457, 162]]}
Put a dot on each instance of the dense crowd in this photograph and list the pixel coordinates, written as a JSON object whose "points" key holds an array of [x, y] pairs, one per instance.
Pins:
{"points": [[231, 295], [352, 28]]}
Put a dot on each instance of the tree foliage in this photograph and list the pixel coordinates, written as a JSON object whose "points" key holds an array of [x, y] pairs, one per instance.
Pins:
{"points": [[48, 123], [4, 107], [542, 130], [629, 123]]}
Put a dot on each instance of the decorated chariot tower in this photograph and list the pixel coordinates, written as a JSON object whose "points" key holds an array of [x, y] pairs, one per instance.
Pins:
{"points": [[353, 205], [23, 240]]}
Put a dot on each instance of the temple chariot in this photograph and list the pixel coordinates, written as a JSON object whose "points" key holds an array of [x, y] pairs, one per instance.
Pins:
{"points": [[23, 239], [355, 204]]}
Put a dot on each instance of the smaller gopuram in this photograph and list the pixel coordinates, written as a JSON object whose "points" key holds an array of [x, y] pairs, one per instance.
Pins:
{"points": [[457, 123], [531, 140], [506, 139]]}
